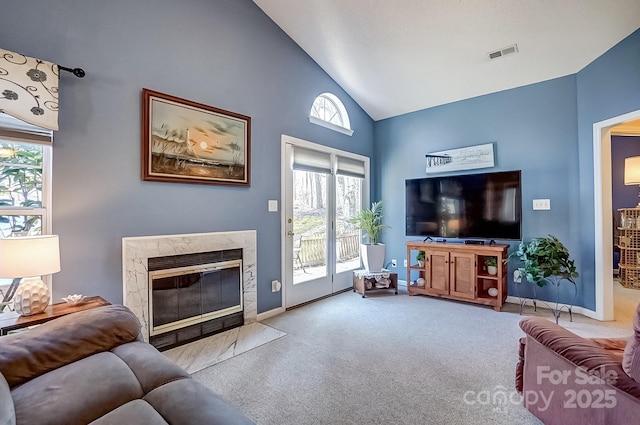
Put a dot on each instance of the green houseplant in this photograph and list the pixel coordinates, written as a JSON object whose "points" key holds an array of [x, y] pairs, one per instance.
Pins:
{"points": [[420, 258], [545, 260], [492, 264], [370, 222]]}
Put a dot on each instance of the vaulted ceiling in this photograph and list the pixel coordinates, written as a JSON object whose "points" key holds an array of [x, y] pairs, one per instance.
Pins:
{"points": [[399, 56]]}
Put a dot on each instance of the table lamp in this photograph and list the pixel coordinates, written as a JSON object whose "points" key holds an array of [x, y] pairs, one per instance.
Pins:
{"points": [[29, 258], [632, 172]]}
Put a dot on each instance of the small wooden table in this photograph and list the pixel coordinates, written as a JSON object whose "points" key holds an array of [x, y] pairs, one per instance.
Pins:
{"points": [[11, 320]]}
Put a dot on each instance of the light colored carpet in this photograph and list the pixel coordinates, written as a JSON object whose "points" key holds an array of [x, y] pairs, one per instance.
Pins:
{"points": [[386, 359]]}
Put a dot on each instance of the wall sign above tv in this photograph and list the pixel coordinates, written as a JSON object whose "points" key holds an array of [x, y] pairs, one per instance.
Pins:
{"points": [[471, 157]]}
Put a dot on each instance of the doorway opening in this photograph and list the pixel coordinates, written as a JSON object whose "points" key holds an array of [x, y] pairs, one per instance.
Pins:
{"points": [[603, 212], [322, 189]]}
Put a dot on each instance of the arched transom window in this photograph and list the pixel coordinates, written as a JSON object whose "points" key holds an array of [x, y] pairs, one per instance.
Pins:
{"points": [[328, 111]]}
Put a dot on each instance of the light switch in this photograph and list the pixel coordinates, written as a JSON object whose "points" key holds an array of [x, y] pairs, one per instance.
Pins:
{"points": [[542, 204], [273, 205]]}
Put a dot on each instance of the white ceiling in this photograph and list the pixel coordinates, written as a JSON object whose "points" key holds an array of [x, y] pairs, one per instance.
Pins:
{"points": [[399, 56]]}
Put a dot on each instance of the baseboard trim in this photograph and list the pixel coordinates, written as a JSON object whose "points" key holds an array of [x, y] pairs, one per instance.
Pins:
{"points": [[540, 304], [543, 304], [347, 289], [270, 313], [510, 299]]}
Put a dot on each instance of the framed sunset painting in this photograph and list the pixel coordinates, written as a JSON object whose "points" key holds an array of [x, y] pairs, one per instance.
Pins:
{"points": [[188, 142]]}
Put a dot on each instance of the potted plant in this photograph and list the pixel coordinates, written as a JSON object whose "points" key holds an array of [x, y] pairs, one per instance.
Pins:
{"points": [[547, 260], [492, 265], [420, 258], [370, 222]]}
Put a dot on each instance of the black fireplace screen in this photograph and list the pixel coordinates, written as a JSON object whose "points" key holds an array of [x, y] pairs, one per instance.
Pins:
{"points": [[178, 295]]}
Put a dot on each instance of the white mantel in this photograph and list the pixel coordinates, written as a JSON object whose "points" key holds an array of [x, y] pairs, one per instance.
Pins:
{"points": [[137, 250]]}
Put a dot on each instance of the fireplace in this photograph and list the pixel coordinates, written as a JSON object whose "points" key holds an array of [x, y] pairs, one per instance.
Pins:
{"points": [[185, 296], [190, 273], [194, 295]]}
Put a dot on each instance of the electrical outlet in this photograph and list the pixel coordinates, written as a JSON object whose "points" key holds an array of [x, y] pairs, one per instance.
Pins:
{"points": [[405, 262], [275, 285], [394, 263], [542, 204], [516, 276]]}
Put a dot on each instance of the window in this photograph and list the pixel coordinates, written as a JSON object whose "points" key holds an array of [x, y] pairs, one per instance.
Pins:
{"points": [[22, 210], [329, 112], [326, 109], [25, 181]]}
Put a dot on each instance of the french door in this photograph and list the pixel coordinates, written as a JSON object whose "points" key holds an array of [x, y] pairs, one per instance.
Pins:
{"points": [[322, 189]]}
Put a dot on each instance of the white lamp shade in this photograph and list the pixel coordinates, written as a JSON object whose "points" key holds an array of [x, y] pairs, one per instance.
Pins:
{"points": [[632, 170], [29, 256]]}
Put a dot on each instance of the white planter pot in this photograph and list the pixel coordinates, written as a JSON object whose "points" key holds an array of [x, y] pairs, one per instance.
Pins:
{"points": [[373, 257], [492, 270]]}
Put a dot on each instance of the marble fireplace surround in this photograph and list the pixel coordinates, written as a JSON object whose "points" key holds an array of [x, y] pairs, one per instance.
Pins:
{"points": [[137, 250]]}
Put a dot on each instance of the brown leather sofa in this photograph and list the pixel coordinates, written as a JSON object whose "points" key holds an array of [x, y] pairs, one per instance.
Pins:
{"points": [[565, 379], [92, 367]]}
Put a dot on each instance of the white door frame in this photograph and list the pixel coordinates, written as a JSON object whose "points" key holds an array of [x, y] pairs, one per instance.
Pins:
{"points": [[602, 200], [366, 187]]}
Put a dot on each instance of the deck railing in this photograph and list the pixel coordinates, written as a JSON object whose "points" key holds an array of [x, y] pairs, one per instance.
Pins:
{"points": [[313, 249]]}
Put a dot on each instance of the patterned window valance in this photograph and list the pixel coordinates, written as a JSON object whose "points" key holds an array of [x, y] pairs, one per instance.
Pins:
{"points": [[29, 89]]}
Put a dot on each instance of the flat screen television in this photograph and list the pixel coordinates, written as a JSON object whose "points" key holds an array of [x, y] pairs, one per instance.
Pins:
{"points": [[473, 206]]}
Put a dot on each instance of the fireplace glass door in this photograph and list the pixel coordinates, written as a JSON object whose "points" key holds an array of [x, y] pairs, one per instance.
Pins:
{"points": [[183, 296]]}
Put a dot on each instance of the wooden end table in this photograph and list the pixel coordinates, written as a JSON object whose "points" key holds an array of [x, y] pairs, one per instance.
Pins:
{"points": [[10, 321]]}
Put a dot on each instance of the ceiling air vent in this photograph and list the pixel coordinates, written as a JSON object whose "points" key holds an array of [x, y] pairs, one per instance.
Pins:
{"points": [[504, 52]]}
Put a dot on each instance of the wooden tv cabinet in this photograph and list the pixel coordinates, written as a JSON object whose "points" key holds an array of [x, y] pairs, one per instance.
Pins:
{"points": [[457, 271]]}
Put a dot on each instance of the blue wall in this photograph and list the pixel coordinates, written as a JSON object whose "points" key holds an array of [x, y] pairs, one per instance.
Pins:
{"points": [[545, 130], [608, 87], [533, 129], [224, 53], [228, 54], [623, 196]]}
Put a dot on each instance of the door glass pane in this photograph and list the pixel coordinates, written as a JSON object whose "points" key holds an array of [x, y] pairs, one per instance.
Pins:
{"points": [[189, 295], [348, 204], [164, 295], [309, 225]]}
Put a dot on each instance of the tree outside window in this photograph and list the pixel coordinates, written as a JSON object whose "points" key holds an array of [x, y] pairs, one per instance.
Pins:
{"points": [[23, 198], [21, 183]]}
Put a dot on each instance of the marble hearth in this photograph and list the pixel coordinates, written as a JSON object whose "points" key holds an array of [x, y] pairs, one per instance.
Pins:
{"points": [[211, 350], [137, 250]]}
